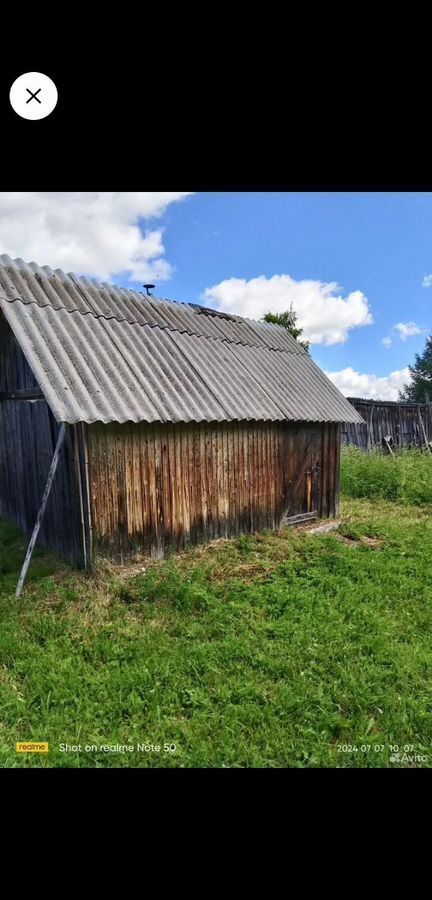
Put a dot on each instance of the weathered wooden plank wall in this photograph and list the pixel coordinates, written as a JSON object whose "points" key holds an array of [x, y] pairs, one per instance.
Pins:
{"points": [[160, 487], [28, 434], [401, 420], [15, 372]]}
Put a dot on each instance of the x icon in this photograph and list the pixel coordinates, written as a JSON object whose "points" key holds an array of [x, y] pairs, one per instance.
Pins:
{"points": [[33, 96]]}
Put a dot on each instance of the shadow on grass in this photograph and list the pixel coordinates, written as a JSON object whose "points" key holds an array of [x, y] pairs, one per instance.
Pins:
{"points": [[13, 547]]}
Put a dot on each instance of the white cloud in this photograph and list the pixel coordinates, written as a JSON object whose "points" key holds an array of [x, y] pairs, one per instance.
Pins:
{"points": [[427, 281], [355, 384], [94, 233], [387, 341], [407, 329], [325, 316]]}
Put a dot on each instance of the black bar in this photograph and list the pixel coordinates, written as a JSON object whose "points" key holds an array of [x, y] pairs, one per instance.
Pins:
{"points": [[24, 394]]}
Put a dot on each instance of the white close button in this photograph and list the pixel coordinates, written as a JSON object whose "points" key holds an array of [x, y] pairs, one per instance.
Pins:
{"points": [[33, 96]]}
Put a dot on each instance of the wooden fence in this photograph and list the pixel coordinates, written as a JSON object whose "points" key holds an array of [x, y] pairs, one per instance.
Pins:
{"points": [[389, 424]]}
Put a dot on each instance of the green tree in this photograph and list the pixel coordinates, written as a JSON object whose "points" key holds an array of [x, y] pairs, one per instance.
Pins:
{"points": [[288, 320], [420, 388]]}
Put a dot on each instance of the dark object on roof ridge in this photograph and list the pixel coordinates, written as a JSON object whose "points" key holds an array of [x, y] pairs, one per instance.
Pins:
{"points": [[207, 311]]}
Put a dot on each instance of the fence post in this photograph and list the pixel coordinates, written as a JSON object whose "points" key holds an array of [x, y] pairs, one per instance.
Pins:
{"points": [[429, 416], [422, 430], [369, 429]]}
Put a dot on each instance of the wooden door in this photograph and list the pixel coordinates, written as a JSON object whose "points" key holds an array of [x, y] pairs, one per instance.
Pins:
{"points": [[302, 497]]}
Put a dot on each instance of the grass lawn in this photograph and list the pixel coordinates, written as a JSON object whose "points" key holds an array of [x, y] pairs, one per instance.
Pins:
{"points": [[281, 649]]}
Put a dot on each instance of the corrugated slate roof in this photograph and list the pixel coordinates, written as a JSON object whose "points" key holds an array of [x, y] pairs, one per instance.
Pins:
{"points": [[103, 353]]}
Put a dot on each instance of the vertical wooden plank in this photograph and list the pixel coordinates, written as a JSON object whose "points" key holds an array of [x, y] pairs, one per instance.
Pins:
{"points": [[220, 481], [248, 494], [185, 484], [165, 499], [171, 485], [198, 481], [145, 486], [254, 480], [126, 441], [113, 539], [111, 494], [151, 485], [309, 490], [209, 503], [238, 450], [159, 490], [243, 479], [258, 477], [281, 469], [226, 479], [283, 473], [80, 495], [100, 480], [324, 494], [266, 469], [422, 431], [134, 505], [331, 468], [316, 502], [271, 474], [328, 469], [326, 491], [370, 440], [337, 470], [262, 474], [233, 513], [230, 473], [192, 483], [216, 485], [178, 482], [203, 482], [296, 448], [138, 522], [270, 463], [248, 484], [88, 525], [122, 491], [275, 480]]}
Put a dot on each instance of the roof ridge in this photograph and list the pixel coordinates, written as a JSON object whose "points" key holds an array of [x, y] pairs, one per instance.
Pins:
{"points": [[167, 327], [83, 282]]}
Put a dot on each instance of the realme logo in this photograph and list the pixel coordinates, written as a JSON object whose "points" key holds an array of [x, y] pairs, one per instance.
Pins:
{"points": [[32, 747]]}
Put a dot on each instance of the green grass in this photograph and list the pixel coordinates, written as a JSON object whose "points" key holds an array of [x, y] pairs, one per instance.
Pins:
{"points": [[268, 651], [405, 477]]}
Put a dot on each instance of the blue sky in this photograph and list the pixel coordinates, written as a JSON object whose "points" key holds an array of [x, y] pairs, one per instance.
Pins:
{"points": [[376, 243], [352, 264]]}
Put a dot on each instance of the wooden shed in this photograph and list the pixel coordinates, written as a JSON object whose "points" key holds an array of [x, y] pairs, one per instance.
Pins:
{"points": [[181, 423]]}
